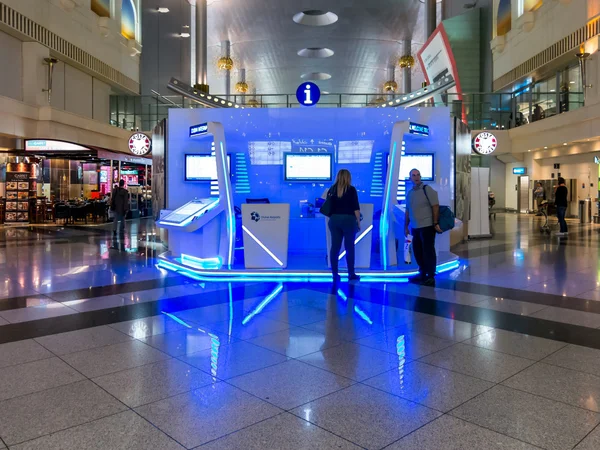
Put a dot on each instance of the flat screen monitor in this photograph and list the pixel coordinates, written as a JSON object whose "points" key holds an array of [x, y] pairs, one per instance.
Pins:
{"points": [[308, 167], [423, 162], [203, 167]]}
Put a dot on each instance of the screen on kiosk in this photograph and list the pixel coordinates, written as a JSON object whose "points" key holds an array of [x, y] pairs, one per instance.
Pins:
{"points": [[308, 167], [423, 162], [202, 167]]}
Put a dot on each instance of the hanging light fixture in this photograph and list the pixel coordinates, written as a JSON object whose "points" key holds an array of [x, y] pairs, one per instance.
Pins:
{"points": [[241, 86], [406, 61], [391, 86]]}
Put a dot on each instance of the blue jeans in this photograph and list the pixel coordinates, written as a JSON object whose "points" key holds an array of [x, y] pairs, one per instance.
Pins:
{"points": [[342, 227], [560, 213]]}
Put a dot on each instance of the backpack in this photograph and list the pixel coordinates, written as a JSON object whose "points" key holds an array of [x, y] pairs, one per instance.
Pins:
{"points": [[446, 218]]}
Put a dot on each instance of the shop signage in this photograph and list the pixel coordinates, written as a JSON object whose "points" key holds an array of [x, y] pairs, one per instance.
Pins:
{"points": [[308, 94], [140, 144], [198, 130], [44, 145], [485, 143], [415, 128], [520, 171]]}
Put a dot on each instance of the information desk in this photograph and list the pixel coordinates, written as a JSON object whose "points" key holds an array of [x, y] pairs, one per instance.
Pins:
{"points": [[363, 240], [266, 231]]}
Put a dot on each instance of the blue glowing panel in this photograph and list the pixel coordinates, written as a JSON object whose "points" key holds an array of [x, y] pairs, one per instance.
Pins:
{"points": [[421, 130], [198, 130], [355, 152], [268, 153], [520, 171]]}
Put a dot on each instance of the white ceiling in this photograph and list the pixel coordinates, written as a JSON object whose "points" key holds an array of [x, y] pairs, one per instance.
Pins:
{"points": [[265, 41]]}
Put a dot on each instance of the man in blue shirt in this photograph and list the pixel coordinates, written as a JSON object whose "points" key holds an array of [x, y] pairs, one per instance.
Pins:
{"points": [[421, 217]]}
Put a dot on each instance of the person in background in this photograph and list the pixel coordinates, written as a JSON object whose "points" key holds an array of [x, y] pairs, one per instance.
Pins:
{"points": [[561, 203], [119, 204], [540, 195], [421, 217], [343, 223]]}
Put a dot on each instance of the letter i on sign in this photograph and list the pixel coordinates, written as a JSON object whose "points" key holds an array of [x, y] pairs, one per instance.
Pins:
{"points": [[307, 100]]}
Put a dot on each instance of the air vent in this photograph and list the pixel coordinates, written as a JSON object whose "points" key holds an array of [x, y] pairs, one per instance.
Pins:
{"points": [[59, 46]]}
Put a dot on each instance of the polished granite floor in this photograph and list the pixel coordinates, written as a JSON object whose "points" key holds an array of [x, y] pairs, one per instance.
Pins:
{"points": [[99, 349]]}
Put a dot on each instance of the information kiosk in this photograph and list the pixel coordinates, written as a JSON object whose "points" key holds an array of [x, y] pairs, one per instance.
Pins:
{"points": [[252, 212]]}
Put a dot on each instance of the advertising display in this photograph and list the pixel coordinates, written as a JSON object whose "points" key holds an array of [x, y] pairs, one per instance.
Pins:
{"points": [[437, 60], [202, 167], [423, 162], [17, 195], [307, 167]]}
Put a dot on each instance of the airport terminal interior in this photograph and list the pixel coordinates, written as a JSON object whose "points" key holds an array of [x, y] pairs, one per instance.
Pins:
{"points": [[173, 185]]}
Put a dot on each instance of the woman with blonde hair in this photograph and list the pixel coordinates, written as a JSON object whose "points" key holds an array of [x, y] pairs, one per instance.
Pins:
{"points": [[344, 222]]}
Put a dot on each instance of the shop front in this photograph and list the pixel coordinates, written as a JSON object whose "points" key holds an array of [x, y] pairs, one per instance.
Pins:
{"points": [[51, 181]]}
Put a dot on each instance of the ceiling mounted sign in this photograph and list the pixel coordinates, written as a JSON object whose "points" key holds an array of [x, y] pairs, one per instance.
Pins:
{"points": [[308, 94], [485, 143], [140, 144]]}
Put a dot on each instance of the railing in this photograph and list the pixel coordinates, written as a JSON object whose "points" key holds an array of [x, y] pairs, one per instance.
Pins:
{"points": [[482, 110]]}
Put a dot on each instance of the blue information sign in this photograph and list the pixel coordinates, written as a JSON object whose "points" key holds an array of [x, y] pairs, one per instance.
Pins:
{"points": [[197, 130], [519, 170], [308, 94], [416, 128]]}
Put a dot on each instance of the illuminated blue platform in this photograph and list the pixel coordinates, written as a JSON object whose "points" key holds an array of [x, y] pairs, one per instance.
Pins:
{"points": [[297, 271]]}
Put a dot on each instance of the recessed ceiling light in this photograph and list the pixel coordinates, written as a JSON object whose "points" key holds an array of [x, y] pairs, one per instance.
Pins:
{"points": [[316, 52], [315, 18], [315, 76], [571, 82], [545, 147], [185, 35], [162, 10], [564, 143]]}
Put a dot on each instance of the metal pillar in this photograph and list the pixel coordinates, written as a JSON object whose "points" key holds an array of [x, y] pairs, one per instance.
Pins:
{"points": [[226, 51], [243, 80], [406, 74], [201, 46], [430, 18]]}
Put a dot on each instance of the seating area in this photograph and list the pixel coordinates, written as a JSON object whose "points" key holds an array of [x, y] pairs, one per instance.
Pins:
{"points": [[67, 212]]}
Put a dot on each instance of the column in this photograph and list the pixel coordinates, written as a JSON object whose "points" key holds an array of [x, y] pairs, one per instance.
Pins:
{"points": [[226, 51], [201, 46], [406, 71], [430, 18]]}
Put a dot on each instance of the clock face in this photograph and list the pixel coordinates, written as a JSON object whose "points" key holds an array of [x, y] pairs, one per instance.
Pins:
{"points": [[485, 143], [139, 144]]}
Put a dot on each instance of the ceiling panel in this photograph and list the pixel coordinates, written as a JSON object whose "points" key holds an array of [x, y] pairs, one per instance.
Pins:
{"points": [[265, 41]]}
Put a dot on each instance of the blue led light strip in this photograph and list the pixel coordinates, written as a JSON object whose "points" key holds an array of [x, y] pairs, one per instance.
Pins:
{"points": [[363, 315], [357, 240], [342, 295], [201, 263], [263, 246], [384, 220], [263, 304], [230, 215], [176, 319]]}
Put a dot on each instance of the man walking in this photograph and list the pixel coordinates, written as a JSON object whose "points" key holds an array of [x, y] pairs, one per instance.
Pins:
{"points": [[119, 204], [422, 213]]}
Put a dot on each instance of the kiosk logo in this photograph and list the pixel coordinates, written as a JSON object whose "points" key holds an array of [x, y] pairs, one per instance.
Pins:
{"points": [[308, 94], [255, 216]]}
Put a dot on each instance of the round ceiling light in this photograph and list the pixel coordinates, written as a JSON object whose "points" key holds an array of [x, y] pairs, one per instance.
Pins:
{"points": [[315, 18], [315, 76], [316, 52]]}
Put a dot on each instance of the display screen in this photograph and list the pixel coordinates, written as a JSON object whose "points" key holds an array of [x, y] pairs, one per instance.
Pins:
{"points": [[189, 209], [308, 167], [423, 162], [203, 167]]}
